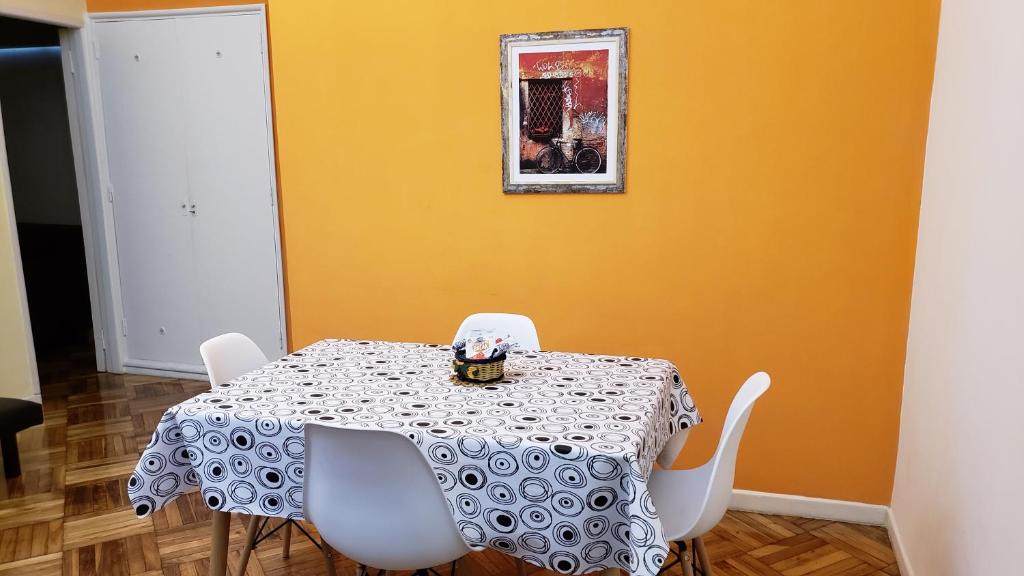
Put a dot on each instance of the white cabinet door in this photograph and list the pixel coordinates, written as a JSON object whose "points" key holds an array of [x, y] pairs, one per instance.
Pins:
{"points": [[189, 148], [140, 71], [230, 167]]}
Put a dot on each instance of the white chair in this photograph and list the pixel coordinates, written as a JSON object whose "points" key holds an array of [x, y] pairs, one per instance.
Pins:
{"points": [[230, 355], [672, 448], [227, 357], [516, 325], [691, 502], [373, 497]]}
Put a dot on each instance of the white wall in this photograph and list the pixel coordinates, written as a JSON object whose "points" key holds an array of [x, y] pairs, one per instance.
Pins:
{"points": [[959, 493]]}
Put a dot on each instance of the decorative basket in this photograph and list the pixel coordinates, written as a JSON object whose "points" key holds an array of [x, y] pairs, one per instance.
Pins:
{"points": [[478, 371]]}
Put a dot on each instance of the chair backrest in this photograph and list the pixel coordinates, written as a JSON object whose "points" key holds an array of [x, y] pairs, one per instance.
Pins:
{"points": [[721, 469], [229, 356], [516, 325], [373, 497]]}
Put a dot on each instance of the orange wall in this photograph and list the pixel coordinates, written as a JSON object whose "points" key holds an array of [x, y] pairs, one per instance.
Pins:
{"points": [[775, 156]]}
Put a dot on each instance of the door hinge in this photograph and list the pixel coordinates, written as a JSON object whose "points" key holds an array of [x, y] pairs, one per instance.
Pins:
{"points": [[95, 48], [103, 340], [71, 65], [124, 326], [110, 193], [280, 339]]}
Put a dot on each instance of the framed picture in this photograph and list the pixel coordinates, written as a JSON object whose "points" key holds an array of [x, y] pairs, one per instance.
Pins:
{"points": [[563, 111]]}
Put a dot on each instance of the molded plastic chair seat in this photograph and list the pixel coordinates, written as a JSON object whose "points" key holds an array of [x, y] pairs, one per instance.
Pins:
{"points": [[681, 512], [691, 502], [374, 497], [516, 325]]}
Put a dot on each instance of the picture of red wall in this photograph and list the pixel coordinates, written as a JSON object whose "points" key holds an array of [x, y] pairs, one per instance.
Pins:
{"points": [[563, 100]]}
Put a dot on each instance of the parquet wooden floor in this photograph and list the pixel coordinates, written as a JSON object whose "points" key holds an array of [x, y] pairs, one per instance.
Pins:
{"points": [[68, 512]]}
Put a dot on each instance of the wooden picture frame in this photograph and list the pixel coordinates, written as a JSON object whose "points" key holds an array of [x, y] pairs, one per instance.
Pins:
{"points": [[563, 111]]}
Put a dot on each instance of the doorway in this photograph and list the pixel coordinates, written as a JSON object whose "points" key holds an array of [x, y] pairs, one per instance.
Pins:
{"points": [[45, 195]]}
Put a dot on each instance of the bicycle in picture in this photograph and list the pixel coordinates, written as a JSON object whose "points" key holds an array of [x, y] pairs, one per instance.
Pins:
{"points": [[552, 159]]}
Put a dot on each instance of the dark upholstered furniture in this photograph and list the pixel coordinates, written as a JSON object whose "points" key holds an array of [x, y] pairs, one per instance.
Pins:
{"points": [[15, 416]]}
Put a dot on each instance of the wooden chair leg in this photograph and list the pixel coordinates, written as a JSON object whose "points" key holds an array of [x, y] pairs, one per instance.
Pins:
{"points": [[702, 556], [686, 559], [328, 553], [287, 550], [520, 567], [250, 538]]}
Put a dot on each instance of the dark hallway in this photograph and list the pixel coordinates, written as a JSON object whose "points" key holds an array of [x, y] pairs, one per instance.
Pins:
{"points": [[44, 188]]}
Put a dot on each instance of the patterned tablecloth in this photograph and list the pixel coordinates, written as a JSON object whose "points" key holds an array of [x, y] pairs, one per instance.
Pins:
{"points": [[549, 464]]}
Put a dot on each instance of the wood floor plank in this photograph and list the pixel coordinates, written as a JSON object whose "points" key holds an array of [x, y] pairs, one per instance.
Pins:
{"points": [[861, 570], [116, 467], [787, 548], [840, 568], [101, 428], [42, 458], [746, 565], [16, 512], [892, 570], [840, 538], [96, 529], [777, 524], [811, 560], [720, 548], [97, 412], [855, 536], [96, 498], [45, 565], [51, 434], [101, 449]]}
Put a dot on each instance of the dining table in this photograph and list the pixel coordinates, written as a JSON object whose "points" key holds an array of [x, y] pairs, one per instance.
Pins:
{"points": [[549, 464]]}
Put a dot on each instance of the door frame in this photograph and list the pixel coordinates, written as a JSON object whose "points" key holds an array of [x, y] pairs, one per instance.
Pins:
{"points": [[94, 257], [83, 53]]}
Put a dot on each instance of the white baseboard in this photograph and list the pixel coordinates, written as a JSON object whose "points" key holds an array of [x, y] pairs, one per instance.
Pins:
{"points": [[897, 545], [807, 507], [164, 373]]}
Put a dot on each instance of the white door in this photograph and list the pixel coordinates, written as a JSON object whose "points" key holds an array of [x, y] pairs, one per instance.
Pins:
{"points": [[230, 166], [189, 143], [143, 108]]}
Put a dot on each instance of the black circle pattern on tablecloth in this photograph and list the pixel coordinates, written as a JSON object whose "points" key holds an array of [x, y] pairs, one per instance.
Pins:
{"points": [[549, 464]]}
